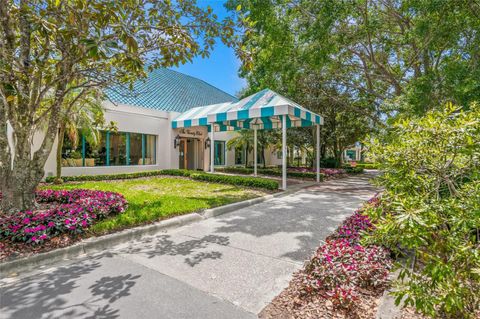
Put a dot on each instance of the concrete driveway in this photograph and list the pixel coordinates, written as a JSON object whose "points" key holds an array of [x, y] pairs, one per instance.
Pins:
{"points": [[230, 266]]}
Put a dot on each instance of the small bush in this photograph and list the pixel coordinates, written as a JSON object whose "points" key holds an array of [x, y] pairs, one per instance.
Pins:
{"points": [[72, 212], [353, 170], [430, 210], [342, 265], [349, 266], [103, 177], [291, 172], [368, 165], [329, 162], [254, 182]]}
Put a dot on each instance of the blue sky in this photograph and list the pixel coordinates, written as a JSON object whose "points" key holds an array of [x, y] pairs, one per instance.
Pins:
{"points": [[221, 68]]}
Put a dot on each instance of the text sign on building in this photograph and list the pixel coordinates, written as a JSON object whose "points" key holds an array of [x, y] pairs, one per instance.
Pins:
{"points": [[185, 132]]}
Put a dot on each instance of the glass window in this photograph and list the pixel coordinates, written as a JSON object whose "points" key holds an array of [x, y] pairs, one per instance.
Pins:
{"points": [[219, 153], [150, 149], [259, 156], [71, 153], [239, 156], [118, 149], [96, 154], [139, 148], [135, 148]]}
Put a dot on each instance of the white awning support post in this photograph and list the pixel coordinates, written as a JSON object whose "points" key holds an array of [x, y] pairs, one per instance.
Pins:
{"points": [[255, 151], [318, 153], [212, 148], [284, 152]]}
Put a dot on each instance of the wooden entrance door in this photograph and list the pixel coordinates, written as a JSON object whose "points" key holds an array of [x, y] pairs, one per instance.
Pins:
{"points": [[183, 156]]}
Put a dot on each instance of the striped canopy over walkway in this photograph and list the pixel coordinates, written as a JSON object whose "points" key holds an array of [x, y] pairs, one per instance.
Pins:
{"points": [[262, 110]]}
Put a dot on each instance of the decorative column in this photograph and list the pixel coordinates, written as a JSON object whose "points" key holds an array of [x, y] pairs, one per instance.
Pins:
{"points": [[212, 148], [284, 152], [255, 151], [318, 153]]}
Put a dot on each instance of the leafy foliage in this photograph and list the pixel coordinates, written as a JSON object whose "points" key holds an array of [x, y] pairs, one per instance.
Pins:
{"points": [[71, 212], [430, 208], [55, 53], [358, 62], [342, 265]]}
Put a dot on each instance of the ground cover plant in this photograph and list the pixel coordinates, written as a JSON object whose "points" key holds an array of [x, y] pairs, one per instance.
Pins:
{"points": [[66, 211], [342, 278], [430, 209], [294, 172]]}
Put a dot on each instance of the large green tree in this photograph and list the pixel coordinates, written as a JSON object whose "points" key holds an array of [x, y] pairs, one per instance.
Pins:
{"points": [[359, 62], [50, 49]]}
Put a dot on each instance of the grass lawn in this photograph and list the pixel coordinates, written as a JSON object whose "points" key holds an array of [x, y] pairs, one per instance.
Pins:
{"points": [[156, 198]]}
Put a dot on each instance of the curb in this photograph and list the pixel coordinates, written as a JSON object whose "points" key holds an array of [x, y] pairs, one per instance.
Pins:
{"points": [[96, 244], [386, 307]]}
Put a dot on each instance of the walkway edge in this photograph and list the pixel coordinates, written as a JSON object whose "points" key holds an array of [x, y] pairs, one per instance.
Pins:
{"points": [[96, 244]]}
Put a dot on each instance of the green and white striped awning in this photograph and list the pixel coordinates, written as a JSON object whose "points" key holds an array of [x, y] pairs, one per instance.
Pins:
{"points": [[263, 110]]}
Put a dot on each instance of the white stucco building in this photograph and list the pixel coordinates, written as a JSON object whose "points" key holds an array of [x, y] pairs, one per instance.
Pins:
{"points": [[172, 120]]}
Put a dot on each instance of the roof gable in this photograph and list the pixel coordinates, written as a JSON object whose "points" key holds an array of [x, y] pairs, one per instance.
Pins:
{"points": [[170, 91]]}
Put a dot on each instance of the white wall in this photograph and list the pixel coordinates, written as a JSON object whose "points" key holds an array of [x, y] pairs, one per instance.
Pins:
{"points": [[140, 120], [134, 120]]}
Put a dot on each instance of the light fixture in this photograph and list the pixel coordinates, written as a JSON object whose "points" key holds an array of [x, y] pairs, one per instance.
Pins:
{"points": [[176, 141], [207, 142]]}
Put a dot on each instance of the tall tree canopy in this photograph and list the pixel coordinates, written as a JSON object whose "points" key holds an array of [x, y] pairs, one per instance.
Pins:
{"points": [[360, 61], [53, 49]]}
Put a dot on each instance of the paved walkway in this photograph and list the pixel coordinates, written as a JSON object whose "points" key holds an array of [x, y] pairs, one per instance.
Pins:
{"points": [[230, 266]]}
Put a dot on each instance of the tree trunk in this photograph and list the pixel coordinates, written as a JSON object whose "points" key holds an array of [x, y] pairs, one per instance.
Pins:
{"points": [[263, 157], [246, 156], [61, 136], [18, 188]]}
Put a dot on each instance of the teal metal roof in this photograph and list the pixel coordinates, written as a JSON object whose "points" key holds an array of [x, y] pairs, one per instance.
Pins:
{"points": [[170, 91]]}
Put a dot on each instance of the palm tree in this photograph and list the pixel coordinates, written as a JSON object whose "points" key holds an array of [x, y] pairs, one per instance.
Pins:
{"points": [[243, 141], [85, 118]]}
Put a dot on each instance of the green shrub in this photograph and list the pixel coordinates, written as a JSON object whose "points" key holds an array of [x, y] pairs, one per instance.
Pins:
{"points": [[353, 170], [235, 170], [270, 172], [329, 162], [102, 177], [430, 209], [177, 172], [255, 182], [368, 165]]}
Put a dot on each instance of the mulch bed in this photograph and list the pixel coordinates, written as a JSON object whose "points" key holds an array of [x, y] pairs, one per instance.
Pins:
{"points": [[292, 305], [13, 250]]}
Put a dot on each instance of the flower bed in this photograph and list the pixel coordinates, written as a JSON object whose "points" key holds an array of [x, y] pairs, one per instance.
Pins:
{"points": [[343, 276], [294, 172], [63, 212]]}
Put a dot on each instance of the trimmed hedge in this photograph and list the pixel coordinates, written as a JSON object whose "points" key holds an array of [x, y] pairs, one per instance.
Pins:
{"points": [[255, 182], [237, 180], [269, 172], [368, 165], [353, 170], [102, 177]]}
